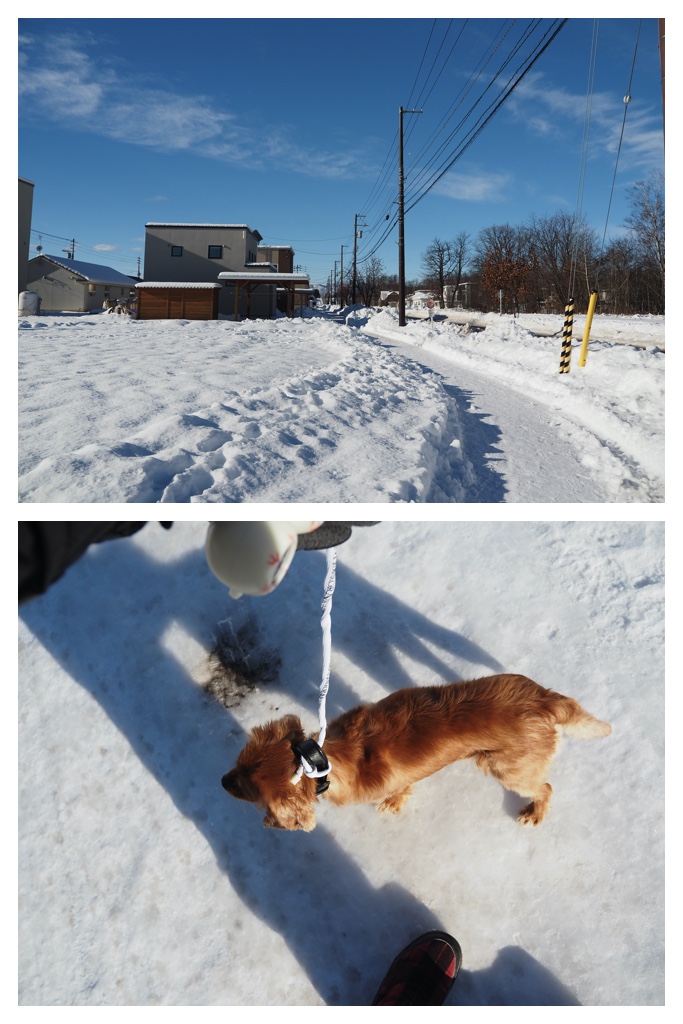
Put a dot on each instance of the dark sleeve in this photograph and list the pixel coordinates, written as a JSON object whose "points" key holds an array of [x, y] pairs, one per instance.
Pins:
{"points": [[46, 550]]}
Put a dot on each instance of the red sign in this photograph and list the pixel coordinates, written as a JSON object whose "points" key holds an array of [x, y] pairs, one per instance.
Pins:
{"points": [[430, 304]]}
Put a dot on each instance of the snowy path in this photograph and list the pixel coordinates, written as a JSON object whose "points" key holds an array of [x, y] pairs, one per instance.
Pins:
{"points": [[500, 428], [525, 442]]}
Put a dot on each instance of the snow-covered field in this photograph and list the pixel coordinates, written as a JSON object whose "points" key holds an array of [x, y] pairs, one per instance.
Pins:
{"points": [[143, 883], [354, 409]]}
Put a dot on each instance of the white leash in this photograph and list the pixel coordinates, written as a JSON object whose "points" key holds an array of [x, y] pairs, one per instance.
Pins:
{"points": [[326, 626]]}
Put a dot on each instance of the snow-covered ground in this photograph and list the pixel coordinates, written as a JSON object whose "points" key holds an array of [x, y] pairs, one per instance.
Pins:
{"points": [[143, 883], [349, 409]]}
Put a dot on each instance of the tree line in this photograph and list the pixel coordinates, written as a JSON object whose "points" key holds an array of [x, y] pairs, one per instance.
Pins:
{"points": [[540, 265]]}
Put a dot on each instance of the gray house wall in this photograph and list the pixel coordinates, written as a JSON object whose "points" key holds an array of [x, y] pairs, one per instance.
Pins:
{"points": [[238, 251], [25, 213]]}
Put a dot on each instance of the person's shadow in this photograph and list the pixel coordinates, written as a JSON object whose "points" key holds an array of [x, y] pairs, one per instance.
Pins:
{"points": [[515, 978], [110, 623]]}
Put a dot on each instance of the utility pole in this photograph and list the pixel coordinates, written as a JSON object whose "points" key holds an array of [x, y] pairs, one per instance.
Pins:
{"points": [[335, 280], [356, 236], [341, 274], [401, 237]]}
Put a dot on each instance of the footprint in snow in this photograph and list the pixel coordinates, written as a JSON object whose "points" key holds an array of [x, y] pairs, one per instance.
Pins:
{"points": [[251, 431], [287, 438], [215, 440]]}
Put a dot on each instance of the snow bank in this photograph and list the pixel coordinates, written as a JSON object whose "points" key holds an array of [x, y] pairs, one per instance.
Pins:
{"points": [[313, 409]]}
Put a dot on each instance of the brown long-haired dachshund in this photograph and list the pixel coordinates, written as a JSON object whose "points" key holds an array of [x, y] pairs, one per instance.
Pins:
{"points": [[510, 725]]}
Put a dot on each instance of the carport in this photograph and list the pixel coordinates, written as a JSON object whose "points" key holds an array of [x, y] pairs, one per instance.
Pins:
{"points": [[296, 286]]}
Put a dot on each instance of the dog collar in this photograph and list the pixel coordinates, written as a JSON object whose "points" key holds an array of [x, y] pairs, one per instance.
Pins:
{"points": [[314, 764]]}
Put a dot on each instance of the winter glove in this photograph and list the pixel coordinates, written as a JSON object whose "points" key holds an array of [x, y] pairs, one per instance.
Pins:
{"points": [[46, 550]]}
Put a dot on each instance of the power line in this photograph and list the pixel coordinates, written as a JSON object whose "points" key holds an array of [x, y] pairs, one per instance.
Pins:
{"points": [[87, 250], [526, 35], [424, 183], [491, 110]]}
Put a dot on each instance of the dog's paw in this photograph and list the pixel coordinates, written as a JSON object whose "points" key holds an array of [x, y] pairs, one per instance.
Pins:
{"points": [[394, 803], [530, 815]]}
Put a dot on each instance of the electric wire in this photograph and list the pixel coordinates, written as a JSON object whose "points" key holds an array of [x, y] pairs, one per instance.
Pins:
{"points": [[627, 100], [416, 195], [516, 77], [592, 64], [476, 74]]}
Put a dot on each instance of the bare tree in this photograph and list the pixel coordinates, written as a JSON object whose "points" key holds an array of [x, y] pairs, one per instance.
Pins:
{"points": [[646, 223], [616, 276], [461, 251], [563, 247], [438, 262], [369, 281]]}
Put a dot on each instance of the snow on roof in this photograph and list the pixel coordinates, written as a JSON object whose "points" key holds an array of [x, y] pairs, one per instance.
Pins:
{"points": [[164, 224], [236, 275], [93, 272], [178, 284]]}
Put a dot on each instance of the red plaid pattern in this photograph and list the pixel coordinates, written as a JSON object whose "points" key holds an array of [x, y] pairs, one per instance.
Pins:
{"points": [[423, 973]]}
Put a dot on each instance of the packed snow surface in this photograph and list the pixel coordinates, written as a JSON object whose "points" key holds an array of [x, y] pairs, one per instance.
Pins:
{"points": [[141, 882], [339, 407]]}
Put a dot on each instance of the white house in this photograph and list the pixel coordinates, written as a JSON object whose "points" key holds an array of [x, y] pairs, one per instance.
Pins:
{"points": [[75, 286]]}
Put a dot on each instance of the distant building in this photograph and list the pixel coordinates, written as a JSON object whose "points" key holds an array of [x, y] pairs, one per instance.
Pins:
{"points": [[420, 299], [200, 252], [229, 254], [281, 257], [25, 213], [465, 296], [74, 286]]}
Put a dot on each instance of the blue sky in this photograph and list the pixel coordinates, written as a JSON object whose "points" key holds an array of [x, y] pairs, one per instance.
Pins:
{"points": [[290, 126]]}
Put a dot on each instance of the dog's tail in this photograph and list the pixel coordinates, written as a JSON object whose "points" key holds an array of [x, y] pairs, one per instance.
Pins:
{"points": [[577, 722]]}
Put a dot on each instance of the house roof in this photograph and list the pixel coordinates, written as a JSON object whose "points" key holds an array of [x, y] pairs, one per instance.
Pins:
{"points": [[173, 224], [92, 272], [177, 284], [267, 276]]}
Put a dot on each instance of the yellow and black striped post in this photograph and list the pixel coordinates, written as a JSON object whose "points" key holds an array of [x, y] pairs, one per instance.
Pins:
{"points": [[566, 354]]}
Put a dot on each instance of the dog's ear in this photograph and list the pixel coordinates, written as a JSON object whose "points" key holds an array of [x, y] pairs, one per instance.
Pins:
{"points": [[288, 729], [238, 783], [294, 811]]}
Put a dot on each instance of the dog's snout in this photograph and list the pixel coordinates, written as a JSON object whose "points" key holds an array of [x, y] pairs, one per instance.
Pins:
{"points": [[236, 783]]}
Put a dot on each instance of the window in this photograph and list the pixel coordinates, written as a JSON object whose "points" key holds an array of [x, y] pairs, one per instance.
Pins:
{"points": [[215, 252], [176, 250]]}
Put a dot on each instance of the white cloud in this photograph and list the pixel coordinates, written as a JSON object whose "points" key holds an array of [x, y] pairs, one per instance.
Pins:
{"points": [[95, 98], [549, 110], [473, 187]]}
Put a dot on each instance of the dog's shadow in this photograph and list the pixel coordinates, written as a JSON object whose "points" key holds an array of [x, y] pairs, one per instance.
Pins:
{"points": [[304, 886]]}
